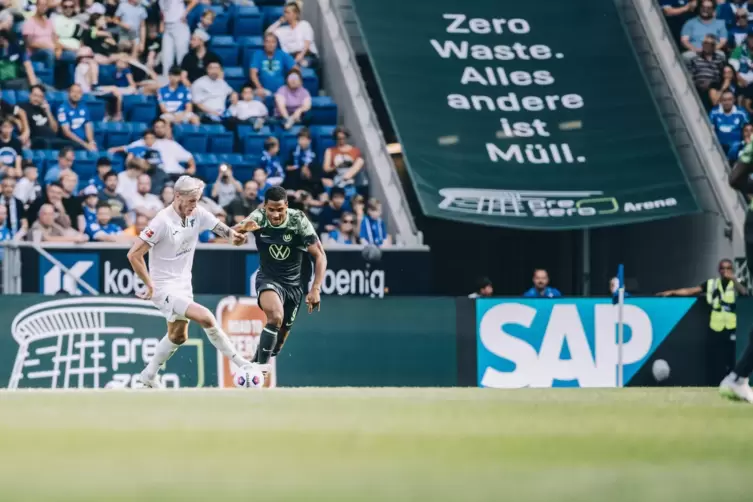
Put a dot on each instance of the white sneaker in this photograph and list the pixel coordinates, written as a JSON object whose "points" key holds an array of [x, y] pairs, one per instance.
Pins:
{"points": [[142, 382], [736, 389]]}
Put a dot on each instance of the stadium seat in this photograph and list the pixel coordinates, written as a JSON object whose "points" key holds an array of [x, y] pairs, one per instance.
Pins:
{"points": [[118, 160], [8, 96], [116, 133], [22, 97], [247, 21], [137, 130], [310, 81], [204, 166], [252, 142], [226, 48], [193, 138], [107, 74], [44, 74], [85, 164], [288, 142], [323, 111], [249, 45], [97, 107], [138, 108], [220, 140], [269, 2], [271, 14], [55, 99], [100, 135], [322, 136], [235, 76]]}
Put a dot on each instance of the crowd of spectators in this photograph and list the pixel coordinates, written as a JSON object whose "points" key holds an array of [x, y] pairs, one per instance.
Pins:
{"points": [[716, 40], [160, 48]]}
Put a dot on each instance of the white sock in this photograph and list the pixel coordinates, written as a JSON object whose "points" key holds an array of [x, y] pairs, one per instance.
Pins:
{"points": [[220, 340], [165, 350]]}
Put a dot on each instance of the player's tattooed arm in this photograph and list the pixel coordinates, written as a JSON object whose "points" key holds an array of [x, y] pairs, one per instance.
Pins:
{"points": [[222, 230]]}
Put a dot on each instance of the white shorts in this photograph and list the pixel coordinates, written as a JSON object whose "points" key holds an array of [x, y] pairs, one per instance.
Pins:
{"points": [[173, 303]]}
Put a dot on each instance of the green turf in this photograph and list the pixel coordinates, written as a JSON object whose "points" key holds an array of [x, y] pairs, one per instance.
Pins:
{"points": [[376, 445]]}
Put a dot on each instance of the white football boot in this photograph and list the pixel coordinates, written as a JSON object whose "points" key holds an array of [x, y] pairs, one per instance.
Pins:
{"points": [[142, 382], [736, 389]]}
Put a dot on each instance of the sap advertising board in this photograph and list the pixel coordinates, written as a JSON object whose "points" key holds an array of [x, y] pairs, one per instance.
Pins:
{"points": [[568, 342]]}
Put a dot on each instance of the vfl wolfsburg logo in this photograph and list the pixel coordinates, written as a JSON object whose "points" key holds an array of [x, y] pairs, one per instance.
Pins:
{"points": [[287, 237], [279, 252]]}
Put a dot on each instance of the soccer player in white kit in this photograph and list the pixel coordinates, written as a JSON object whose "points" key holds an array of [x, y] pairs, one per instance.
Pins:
{"points": [[170, 239]]}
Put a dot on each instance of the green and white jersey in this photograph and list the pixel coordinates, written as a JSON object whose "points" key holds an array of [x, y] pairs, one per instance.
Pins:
{"points": [[746, 156], [281, 248]]}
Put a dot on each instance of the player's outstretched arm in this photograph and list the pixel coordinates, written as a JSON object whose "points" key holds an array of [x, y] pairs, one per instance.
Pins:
{"points": [[313, 299], [136, 257], [225, 232]]}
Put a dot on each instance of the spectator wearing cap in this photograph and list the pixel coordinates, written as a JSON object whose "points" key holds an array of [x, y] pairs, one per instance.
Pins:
{"points": [[75, 121], [104, 230], [270, 161], [116, 201], [176, 35], [269, 67], [88, 214], [66, 158], [10, 151], [39, 35], [104, 166], [299, 173], [343, 164], [296, 36], [28, 188], [196, 62], [292, 99], [728, 121], [43, 128], [541, 287], [373, 229], [484, 288], [175, 100], [16, 71], [694, 31], [210, 94], [130, 17], [17, 219], [48, 229], [741, 60]]}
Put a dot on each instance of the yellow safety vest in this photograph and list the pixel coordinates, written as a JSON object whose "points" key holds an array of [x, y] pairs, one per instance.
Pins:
{"points": [[723, 302]]}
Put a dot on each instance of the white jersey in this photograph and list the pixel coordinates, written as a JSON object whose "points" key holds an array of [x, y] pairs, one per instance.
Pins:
{"points": [[173, 243]]}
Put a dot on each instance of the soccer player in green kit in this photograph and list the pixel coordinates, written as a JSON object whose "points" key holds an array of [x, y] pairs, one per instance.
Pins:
{"points": [[735, 385], [282, 236]]}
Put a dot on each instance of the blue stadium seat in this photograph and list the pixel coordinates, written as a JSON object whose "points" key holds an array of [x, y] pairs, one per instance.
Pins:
{"points": [[44, 74], [193, 138], [226, 48], [322, 136], [269, 2], [310, 81], [288, 142], [138, 129], [235, 76], [55, 99], [100, 134], [85, 164], [221, 24], [211, 170], [107, 74], [252, 142], [220, 140], [22, 97], [249, 45], [205, 163], [247, 21], [138, 108], [39, 160], [97, 107], [118, 160], [271, 14], [8, 96], [116, 133], [323, 111]]}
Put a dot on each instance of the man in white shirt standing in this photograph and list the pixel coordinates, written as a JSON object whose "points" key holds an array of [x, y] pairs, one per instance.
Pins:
{"points": [[177, 35], [170, 239]]}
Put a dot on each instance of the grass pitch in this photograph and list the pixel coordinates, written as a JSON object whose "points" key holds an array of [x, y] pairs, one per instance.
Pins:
{"points": [[375, 445]]}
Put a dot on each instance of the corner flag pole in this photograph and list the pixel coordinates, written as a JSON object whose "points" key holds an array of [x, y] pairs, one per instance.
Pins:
{"points": [[620, 323]]}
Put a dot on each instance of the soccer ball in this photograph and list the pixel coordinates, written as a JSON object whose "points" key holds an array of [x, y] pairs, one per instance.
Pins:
{"points": [[249, 377], [660, 369]]}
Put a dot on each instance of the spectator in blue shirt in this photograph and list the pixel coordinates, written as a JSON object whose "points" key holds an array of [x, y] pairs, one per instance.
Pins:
{"points": [[104, 230], [75, 121], [175, 100], [299, 175], [345, 233], [728, 121], [5, 233], [145, 151], [696, 29], [373, 229], [269, 67], [270, 161], [541, 288], [729, 10], [104, 166], [91, 203], [739, 29], [66, 157]]}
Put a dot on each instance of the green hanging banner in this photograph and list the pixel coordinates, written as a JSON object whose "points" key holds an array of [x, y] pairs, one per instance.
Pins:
{"points": [[523, 114]]}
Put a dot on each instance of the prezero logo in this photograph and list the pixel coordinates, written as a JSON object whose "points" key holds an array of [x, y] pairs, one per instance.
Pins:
{"points": [[52, 279], [551, 343]]}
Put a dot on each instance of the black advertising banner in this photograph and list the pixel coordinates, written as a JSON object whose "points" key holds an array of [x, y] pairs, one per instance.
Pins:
{"points": [[225, 271], [523, 114]]}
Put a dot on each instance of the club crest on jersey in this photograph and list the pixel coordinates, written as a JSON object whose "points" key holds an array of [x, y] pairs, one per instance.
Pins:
{"points": [[287, 237], [279, 252], [149, 232]]}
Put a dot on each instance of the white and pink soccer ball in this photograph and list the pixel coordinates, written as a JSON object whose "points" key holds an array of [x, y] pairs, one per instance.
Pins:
{"points": [[249, 377]]}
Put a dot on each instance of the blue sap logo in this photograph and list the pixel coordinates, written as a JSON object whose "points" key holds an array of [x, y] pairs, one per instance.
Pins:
{"points": [[568, 343], [252, 268], [52, 279]]}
